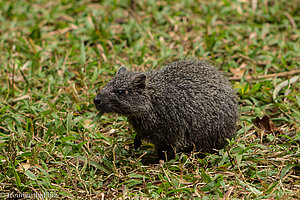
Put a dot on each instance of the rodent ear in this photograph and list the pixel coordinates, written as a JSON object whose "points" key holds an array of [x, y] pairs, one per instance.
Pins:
{"points": [[121, 69], [139, 81]]}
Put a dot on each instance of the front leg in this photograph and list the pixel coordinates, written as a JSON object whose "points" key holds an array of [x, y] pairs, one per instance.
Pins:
{"points": [[137, 141]]}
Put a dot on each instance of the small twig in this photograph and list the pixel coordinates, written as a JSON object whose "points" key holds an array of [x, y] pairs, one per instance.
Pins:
{"points": [[284, 84], [13, 81], [278, 75], [169, 180], [141, 156], [1, 127], [292, 21], [228, 193]]}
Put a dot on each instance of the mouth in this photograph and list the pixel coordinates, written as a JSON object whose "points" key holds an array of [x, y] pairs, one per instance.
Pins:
{"points": [[98, 107], [103, 109]]}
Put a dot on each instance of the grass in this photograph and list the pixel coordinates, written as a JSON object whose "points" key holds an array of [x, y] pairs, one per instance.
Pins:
{"points": [[54, 55]]}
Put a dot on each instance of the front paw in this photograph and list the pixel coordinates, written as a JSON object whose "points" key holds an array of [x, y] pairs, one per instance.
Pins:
{"points": [[137, 142]]}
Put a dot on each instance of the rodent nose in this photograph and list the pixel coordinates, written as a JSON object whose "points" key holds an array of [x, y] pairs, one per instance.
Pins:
{"points": [[97, 100]]}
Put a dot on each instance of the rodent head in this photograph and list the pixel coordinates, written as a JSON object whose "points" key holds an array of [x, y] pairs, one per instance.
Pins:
{"points": [[124, 94]]}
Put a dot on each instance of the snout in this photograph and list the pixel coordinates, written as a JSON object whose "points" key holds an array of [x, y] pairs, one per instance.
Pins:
{"points": [[97, 100], [103, 103]]}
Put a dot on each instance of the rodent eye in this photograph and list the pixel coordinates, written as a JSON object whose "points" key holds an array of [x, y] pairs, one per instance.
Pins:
{"points": [[119, 92]]}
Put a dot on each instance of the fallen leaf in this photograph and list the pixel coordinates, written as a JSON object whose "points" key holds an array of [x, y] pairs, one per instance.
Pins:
{"points": [[237, 72], [24, 166], [283, 84], [268, 127], [109, 132], [265, 124]]}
